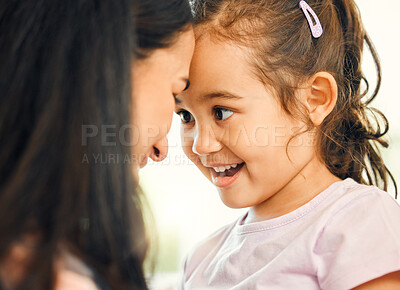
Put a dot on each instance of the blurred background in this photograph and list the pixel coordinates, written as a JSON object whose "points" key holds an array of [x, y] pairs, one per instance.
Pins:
{"points": [[186, 206]]}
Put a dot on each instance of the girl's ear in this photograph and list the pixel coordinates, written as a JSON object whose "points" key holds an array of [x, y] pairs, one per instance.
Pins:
{"points": [[321, 96]]}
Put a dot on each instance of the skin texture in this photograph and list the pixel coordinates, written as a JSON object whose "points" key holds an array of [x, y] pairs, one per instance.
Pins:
{"points": [[257, 132], [67, 280], [390, 281], [254, 129], [156, 80]]}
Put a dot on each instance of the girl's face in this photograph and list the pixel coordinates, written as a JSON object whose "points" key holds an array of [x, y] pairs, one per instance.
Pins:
{"points": [[157, 79], [236, 132]]}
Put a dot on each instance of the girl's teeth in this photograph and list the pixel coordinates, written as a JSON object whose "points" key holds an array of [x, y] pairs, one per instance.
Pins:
{"points": [[223, 168]]}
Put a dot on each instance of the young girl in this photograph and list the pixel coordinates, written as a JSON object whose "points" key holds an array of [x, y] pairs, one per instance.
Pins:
{"points": [[276, 117]]}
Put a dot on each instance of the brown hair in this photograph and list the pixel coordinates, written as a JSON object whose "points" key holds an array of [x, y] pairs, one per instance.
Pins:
{"points": [[284, 54], [66, 65]]}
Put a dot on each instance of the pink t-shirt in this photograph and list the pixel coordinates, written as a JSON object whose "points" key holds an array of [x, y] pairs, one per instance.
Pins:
{"points": [[347, 235]]}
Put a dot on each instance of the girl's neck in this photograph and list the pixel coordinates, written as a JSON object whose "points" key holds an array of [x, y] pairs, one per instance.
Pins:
{"points": [[307, 184]]}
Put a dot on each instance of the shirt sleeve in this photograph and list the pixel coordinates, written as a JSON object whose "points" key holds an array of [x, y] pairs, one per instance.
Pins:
{"points": [[360, 242]]}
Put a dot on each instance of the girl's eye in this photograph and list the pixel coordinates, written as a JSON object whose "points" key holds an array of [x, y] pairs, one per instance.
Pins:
{"points": [[222, 114], [186, 117]]}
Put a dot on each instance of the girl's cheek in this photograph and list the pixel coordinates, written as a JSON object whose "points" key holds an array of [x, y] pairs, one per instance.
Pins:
{"points": [[187, 137], [187, 144], [193, 157], [188, 150]]}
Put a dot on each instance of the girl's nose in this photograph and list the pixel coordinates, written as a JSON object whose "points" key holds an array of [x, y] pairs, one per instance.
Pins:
{"points": [[205, 141], [160, 150]]}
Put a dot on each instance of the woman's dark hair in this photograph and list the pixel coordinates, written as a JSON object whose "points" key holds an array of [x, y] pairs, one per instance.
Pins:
{"points": [[65, 66], [284, 55], [157, 25]]}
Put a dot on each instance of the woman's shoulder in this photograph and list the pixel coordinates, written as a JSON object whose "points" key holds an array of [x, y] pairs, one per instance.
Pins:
{"points": [[67, 280], [74, 273]]}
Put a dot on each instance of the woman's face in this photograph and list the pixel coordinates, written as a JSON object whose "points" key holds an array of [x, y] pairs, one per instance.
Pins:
{"points": [[157, 79]]}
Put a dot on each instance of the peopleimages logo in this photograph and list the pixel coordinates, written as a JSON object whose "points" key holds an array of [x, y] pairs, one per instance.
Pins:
{"points": [[261, 136], [113, 158], [109, 134]]}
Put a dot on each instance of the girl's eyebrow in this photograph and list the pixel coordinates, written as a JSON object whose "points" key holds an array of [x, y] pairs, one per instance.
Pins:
{"points": [[214, 95], [221, 95]]}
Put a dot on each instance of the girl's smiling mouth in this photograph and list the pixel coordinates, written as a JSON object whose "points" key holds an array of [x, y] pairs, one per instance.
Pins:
{"points": [[225, 175]]}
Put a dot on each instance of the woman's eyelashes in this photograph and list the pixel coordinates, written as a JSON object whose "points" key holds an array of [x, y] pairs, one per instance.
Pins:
{"points": [[187, 85], [222, 113], [176, 94]]}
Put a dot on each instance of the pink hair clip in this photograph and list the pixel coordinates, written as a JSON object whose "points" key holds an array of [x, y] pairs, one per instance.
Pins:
{"points": [[316, 29]]}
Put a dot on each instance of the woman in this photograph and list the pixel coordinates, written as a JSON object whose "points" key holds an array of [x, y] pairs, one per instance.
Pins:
{"points": [[68, 219]]}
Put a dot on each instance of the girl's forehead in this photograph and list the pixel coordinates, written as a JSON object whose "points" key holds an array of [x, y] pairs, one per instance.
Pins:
{"points": [[221, 72], [221, 64], [219, 56]]}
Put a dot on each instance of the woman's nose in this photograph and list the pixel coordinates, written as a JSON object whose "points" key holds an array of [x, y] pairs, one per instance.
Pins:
{"points": [[205, 141], [160, 150]]}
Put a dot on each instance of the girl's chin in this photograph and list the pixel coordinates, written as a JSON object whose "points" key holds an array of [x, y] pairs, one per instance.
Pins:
{"points": [[232, 201]]}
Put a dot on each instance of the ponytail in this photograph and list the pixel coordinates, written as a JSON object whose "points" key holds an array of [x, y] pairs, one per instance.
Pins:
{"points": [[352, 134]]}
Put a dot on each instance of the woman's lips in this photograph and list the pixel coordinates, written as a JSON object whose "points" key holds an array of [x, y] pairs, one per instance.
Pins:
{"points": [[225, 179]]}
